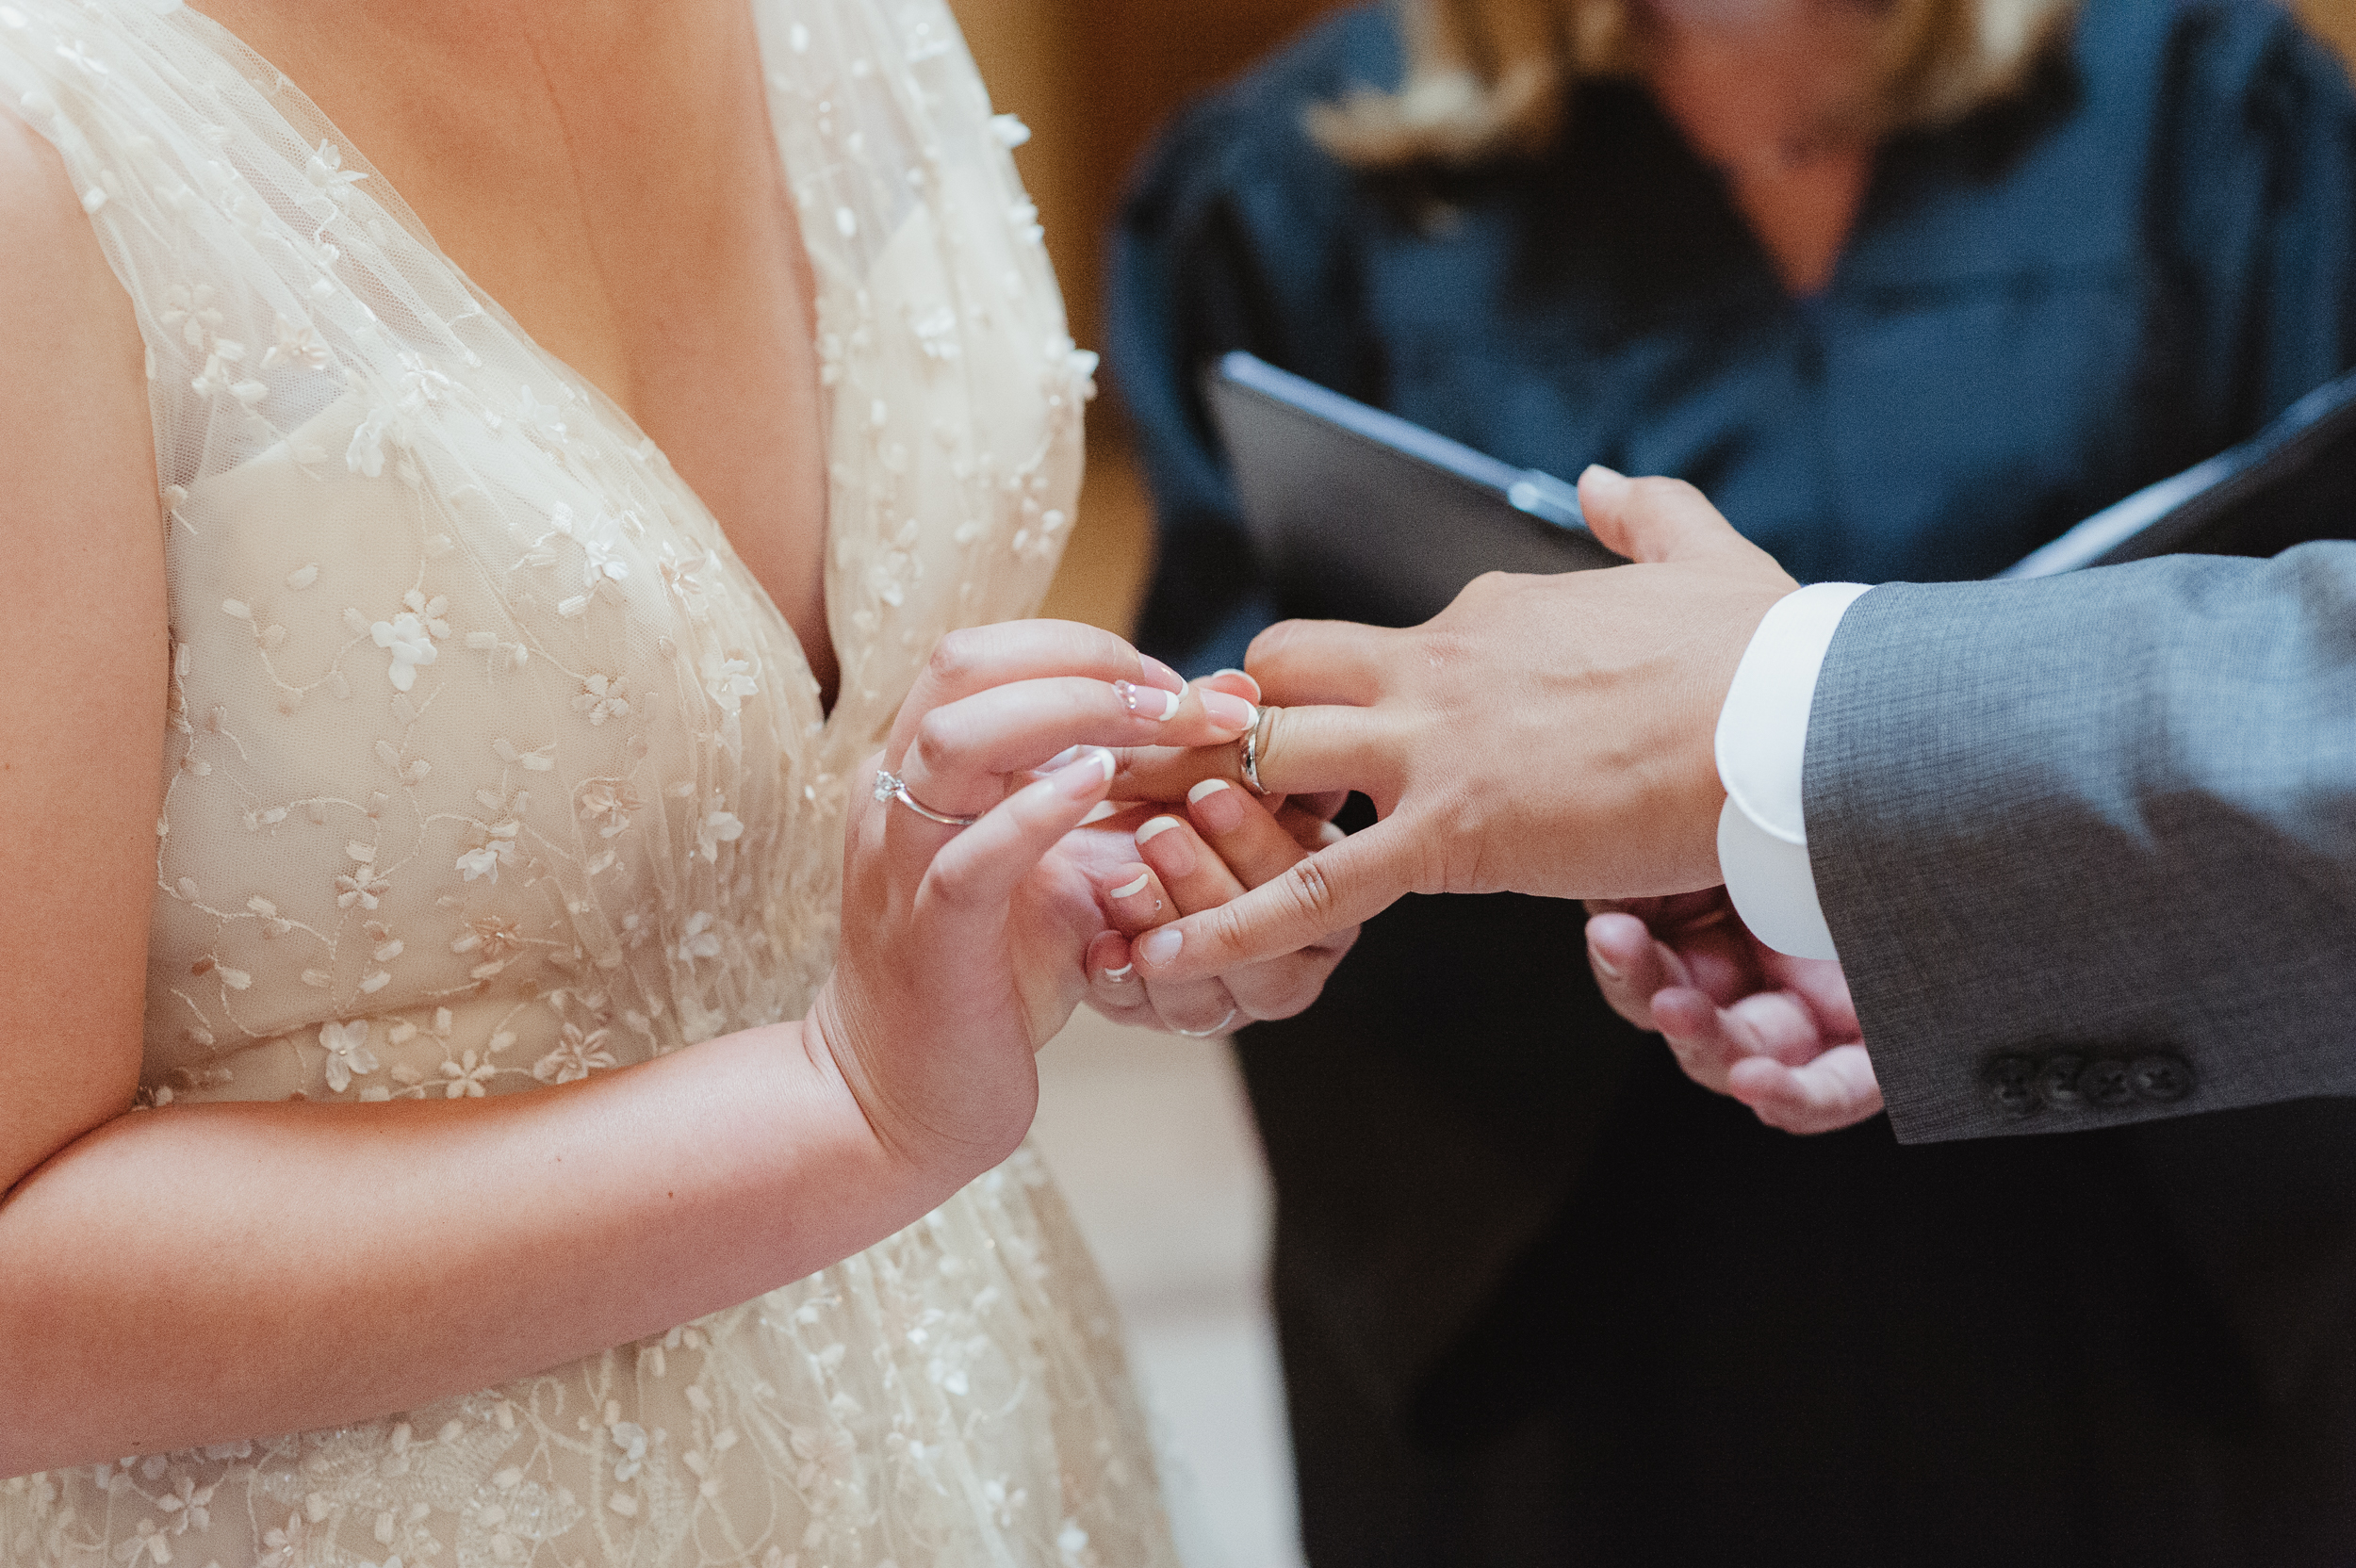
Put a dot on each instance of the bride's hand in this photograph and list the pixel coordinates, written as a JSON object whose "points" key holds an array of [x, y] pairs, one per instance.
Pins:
{"points": [[1778, 1033], [963, 947], [1221, 842]]}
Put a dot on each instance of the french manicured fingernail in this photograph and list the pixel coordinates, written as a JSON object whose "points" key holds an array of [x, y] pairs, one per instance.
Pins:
{"points": [[1062, 759], [1131, 889], [1158, 674], [1120, 975], [1092, 773], [1230, 712], [1604, 966], [1217, 806], [1177, 857], [1102, 810], [1244, 675], [1160, 946], [1147, 702]]}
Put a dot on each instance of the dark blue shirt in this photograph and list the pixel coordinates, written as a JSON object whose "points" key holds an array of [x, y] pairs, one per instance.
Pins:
{"points": [[2124, 268]]}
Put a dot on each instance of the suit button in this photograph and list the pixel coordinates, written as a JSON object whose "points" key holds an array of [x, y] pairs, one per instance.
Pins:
{"points": [[2012, 1084], [2161, 1080], [2107, 1083], [2058, 1084]]}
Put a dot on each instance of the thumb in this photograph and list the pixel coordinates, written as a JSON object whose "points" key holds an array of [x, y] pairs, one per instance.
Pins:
{"points": [[1654, 519]]}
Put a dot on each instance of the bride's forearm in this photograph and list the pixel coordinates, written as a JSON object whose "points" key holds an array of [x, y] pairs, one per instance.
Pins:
{"points": [[206, 1273]]}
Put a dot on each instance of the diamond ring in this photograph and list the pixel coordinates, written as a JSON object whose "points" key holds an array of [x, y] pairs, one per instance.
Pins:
{"points": [[888, 787]]}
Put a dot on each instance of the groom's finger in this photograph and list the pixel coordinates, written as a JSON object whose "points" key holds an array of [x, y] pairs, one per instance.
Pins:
{"points": [[1345, 885], [1837, 1090], [1298, 751], [1322, 661], [1655, 519]]}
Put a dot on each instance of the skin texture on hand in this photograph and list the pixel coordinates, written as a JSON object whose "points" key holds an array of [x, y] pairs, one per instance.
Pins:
{"points": [[1549, 735], [1778, 1033]]}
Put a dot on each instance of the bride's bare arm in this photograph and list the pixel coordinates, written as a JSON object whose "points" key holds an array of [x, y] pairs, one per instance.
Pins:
{"points": [[200, 1273]]}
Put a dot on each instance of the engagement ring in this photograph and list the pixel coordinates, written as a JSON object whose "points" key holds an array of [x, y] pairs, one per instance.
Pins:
{"points": [[888, 787]]}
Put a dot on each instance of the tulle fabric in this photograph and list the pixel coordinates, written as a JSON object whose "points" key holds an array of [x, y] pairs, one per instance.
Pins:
{"points": [[489, 767]]}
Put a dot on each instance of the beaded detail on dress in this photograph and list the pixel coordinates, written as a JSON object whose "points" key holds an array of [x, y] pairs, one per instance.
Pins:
{"points": [[489, 767]]}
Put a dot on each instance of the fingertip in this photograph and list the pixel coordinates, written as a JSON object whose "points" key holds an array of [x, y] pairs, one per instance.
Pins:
{"points": [[1600, 480], [1110, 968], [1237, 681], [1159, 948], [1086, 777], [1617, 945], [1229, 713]]}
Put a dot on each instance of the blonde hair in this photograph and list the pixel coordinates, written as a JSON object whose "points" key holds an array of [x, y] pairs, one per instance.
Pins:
{"points": [[1493, 78]]}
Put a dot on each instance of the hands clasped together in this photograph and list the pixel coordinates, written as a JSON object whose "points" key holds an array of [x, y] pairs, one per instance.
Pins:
{"points": [[1164, 850], [992, 881]]}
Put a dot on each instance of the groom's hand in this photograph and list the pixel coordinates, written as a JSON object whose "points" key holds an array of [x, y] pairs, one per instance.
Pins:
{"points": [[1546, 735], [1778, 1033]]}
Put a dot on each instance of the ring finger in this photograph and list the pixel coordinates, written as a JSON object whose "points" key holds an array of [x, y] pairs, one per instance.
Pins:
{"points": [[961, 758]]}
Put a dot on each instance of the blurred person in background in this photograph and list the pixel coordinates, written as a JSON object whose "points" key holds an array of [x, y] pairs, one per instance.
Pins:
{"points": [[1907, 287]]}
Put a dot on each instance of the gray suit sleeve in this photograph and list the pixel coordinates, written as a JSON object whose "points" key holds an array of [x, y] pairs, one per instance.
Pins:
{"points": [[2087, 844]]}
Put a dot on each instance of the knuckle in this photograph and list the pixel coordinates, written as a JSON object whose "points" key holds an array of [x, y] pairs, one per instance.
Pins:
{"points": [[1312, 889], [939, 745], [957, 885], [956, 658], [1269, 643]]}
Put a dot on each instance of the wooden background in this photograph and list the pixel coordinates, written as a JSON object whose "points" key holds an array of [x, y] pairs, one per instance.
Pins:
{"points": [[1094, 78]]}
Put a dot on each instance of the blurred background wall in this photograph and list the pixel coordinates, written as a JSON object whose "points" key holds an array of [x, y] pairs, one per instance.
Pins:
{"points": [[1149, 1133]]}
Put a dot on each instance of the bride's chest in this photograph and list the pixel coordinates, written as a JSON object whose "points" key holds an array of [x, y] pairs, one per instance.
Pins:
{"points": [[474, 706], [619, 193]]}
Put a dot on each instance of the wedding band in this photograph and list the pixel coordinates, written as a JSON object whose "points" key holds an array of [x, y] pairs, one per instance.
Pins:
{"points": [[1219, 1028], [1251, 753], [888, 787]]}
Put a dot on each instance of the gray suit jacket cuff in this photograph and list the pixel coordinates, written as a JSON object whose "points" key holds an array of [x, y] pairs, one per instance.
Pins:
{"points": [[2087, 845]]}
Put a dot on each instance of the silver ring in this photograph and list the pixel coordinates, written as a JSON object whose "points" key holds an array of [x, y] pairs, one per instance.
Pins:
{"points": [[1219, 1028], [1251, 752], [888, 787]]}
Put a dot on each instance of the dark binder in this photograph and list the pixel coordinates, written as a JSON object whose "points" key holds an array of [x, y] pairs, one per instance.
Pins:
{"points": [[1349, 505]]}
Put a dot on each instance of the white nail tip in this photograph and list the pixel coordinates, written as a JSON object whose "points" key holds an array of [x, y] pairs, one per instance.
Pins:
{"points": [[1135, 888], [1169, 706], [1158, 826], [1208, 787], [1099, 811], [1118, 975]]}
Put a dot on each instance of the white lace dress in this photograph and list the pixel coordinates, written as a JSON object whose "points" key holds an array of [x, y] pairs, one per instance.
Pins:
{"points": [[490, 767]]}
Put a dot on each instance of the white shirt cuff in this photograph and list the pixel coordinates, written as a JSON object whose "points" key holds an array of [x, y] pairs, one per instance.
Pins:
{"points": [[1762, 746]]}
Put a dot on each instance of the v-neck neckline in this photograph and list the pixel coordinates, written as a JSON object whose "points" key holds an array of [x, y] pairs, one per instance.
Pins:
{"points": [[228, 45]]}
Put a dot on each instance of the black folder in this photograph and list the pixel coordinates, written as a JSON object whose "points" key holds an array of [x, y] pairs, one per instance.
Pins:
{"points": [[1349, 505]]}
